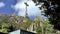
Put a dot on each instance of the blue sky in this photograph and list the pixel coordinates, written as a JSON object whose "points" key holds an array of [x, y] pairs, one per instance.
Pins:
{"points": [[5, 6], [18, 7]]}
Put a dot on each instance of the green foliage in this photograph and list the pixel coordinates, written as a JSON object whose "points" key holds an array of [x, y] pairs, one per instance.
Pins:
{"points": [[26, 25], [38, 30], [13, 22], [34, 1], [17, 22], [48, 28], [4, 27], [53, 14]]}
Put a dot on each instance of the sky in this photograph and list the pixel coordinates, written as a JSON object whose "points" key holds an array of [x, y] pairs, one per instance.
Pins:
{"points": [[18, 7], [5, 6]]}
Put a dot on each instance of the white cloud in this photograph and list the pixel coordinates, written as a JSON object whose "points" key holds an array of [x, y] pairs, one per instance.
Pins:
{"points": [[32, 9], [2, 4]]}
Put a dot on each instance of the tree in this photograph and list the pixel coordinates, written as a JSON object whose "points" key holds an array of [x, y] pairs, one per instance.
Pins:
{"points": [[26, 24], [48, 28], [52, 12], [39, 25], [4, 27]]}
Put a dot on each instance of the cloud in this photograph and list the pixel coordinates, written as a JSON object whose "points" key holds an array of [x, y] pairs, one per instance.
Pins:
{"points": [[32, 9], [2, 4]]}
